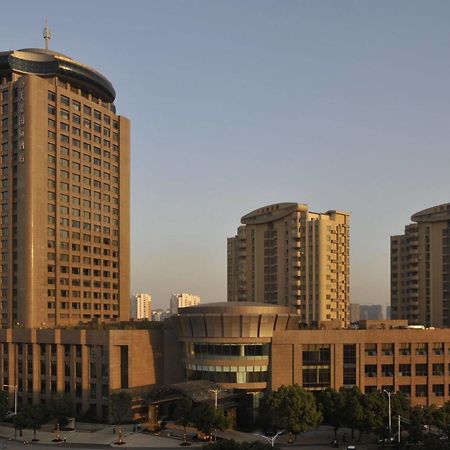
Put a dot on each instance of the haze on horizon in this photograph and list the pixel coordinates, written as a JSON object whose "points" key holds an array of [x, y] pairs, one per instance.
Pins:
{"points": [[238, 104]]}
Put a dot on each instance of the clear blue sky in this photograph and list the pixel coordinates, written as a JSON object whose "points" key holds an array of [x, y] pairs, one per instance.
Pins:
{"points": [[237, 104]]}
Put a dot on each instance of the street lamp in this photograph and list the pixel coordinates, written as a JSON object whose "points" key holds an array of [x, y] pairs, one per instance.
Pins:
{"points": [[272, 439], [216, 393], [389, 401], [15, 395]]}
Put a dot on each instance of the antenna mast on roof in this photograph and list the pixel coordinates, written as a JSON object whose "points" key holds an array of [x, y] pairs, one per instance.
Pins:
{"points": [[47, 34]]}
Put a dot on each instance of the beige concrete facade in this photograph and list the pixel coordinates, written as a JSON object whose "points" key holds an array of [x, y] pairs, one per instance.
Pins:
{"points": [[64, 193], [420, 269], [285, 254]]}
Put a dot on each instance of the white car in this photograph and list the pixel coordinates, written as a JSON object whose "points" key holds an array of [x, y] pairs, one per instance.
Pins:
{"points": [[9, 414]]}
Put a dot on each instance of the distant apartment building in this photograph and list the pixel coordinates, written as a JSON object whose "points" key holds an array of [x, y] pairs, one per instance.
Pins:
{"points": [[183, 300], [355, 312], [371, 312], [420, 269], [159, 315], [388, 312], [141, 306], [285, 254]]}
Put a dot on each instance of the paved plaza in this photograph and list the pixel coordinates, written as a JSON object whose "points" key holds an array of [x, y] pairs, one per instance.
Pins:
{"points": [[99, 436]]}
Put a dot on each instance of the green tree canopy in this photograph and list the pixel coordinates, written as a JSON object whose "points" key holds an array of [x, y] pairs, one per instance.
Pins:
{"points": [[207, 418], [184, 415], [294, 409], [60, 408], [331, 404], [353, 412], [120, 406], [35, 416]]}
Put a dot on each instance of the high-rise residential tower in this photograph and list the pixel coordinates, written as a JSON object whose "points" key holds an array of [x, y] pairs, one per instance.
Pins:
{"points": [[183, 300], [285, 254], [420, 269], [64, 187], [141, 306]]}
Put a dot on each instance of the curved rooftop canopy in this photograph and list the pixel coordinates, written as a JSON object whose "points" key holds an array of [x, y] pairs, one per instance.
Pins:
{"points": [[434, 214], [44, 63]]}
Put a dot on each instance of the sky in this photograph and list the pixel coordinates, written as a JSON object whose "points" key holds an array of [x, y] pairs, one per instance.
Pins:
{"points": [[238, 104]]}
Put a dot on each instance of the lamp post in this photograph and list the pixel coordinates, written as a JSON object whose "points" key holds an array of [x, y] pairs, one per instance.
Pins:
{"points": [[272, 439], [14, 386], [389, 402], [216, 393]]}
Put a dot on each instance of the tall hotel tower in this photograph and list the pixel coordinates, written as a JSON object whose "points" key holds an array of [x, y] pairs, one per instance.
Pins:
{"points": [[285, 254], [64, 178]]}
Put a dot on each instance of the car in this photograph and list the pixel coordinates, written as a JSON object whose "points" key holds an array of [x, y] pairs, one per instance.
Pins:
{"points": [[351, 447], [9, 415], [387, 440], [425, 427], [443, 438]]}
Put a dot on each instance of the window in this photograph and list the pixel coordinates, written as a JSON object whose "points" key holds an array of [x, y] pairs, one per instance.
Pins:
{"points": [[438, 369], [405, 370], [421, 370], [64, 100], [370, 370], [405, 349], [421, 349], [387, 349], [387, 370], [421, 390], [438, 390]]}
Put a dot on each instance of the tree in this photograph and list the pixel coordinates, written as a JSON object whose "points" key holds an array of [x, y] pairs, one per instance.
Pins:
{"points": [[294, 409], [20, 421], [375, 414], [60, 408], [35, 416], [353, 412], [207, 418], [331, 404], [183, 415], [416, 420], [400, 405], [120, 406], [4, 404]]}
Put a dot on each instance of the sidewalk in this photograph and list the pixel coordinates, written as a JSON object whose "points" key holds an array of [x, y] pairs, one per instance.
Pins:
{"points": [[102, 437]]}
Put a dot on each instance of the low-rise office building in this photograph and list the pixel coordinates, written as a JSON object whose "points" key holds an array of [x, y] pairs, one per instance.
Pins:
{"points": [[86, 364], [247, 348], [412, 361], [258, 347]]}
